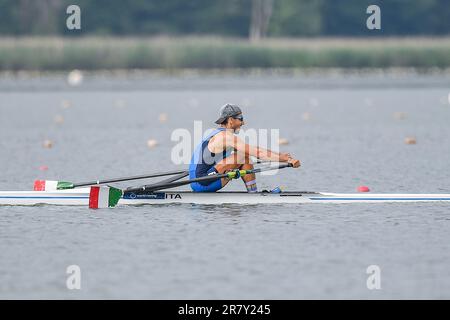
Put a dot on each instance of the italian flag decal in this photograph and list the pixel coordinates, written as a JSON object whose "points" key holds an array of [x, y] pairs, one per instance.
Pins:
{"points": [[104, 197], [50, 185]]}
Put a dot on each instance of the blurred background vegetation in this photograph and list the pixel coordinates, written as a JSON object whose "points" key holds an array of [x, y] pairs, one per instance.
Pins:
{"points": [[223, 34]]}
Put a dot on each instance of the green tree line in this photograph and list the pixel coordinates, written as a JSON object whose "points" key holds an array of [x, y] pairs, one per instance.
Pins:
{"points": [[287, 18]]}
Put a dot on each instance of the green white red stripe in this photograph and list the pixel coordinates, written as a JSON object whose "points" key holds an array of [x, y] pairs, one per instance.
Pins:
{"points": [[104, 197], [51, 185]]}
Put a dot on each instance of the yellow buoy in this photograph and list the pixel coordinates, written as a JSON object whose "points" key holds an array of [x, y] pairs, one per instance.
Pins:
{"points": [[47, 144], [59, 119], [65, 104], [163, 117], [410, 140], [306, 116]]}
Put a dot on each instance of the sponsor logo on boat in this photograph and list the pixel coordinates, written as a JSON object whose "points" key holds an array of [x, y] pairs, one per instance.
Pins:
{"points": [[156, 195], [133, 196]]}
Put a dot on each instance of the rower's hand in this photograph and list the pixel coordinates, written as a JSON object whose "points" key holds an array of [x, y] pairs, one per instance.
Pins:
{"points": [[294, 162], [284, 157]]}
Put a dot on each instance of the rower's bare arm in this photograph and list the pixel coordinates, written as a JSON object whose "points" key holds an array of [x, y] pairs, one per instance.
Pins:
{"points": [[260, 153]]}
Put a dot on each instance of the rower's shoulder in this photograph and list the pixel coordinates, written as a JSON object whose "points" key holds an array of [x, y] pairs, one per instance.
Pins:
{"points": [[224, 134], [224, 137], [230, 137], [228, 133]]}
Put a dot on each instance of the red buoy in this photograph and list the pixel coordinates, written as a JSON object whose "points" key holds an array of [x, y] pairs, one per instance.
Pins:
{"points": [[363, 189], [39, 185]]}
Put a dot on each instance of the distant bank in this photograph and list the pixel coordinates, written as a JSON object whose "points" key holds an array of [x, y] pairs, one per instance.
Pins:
{"points": [[100, 53]]}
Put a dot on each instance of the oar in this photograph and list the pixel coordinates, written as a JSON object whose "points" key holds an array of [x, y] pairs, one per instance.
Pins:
{"points": [[235, 174], [184, 174], [51, 185], [46, 185], [104, 197], [171, 179]]}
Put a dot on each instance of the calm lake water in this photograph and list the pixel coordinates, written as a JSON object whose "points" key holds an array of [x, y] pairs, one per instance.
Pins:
{"points": [[347, 131]]}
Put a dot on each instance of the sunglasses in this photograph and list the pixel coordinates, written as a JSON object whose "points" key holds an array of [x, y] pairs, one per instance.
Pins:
{"points": [[240, 118]]}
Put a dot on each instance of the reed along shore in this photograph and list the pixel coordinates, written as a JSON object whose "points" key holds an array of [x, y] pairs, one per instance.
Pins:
{"points": [[99, 53]]}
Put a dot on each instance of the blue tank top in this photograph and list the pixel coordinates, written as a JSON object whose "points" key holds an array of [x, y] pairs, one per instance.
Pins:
{"points": [[202, 159]]}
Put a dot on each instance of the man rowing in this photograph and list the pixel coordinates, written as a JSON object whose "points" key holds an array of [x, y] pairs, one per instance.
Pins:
{"points": [[222, 151]]}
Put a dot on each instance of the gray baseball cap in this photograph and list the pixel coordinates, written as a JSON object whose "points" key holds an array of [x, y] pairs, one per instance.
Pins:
{"points": [[226, 111]]}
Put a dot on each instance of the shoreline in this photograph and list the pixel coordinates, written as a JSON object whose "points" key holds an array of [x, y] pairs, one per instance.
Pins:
{"points": [[150, 80], [233, 72]]}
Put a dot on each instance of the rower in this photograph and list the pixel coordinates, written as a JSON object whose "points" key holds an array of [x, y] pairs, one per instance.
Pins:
{"points": [[223, 151]]}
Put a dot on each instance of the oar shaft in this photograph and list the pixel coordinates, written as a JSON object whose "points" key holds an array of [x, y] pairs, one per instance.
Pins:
{"points": [[144, 176], [230, 175], [165, 181]]}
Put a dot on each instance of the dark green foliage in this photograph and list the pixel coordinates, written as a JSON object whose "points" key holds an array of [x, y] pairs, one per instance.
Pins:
{"points": [[228, 18]]}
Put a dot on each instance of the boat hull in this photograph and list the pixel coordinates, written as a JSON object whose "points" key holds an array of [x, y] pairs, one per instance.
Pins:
{"points": [[80, 197]]}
